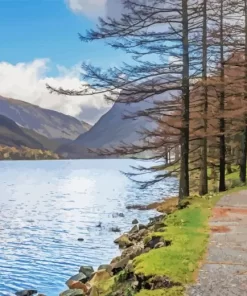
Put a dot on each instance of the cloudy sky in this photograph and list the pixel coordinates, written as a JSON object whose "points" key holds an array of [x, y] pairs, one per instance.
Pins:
{"points": [[39, 44]]}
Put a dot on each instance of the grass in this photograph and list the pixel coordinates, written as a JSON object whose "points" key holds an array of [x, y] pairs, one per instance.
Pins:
{"points": [[188, 230], [175, 291]]}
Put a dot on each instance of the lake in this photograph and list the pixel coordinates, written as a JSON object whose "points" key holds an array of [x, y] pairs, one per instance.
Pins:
{"points": [[47, 205]]}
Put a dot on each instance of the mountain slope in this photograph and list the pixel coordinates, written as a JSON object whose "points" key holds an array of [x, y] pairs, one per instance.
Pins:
{"points": [[12, 135], [49, 144], [48, 123], [110, 130]]}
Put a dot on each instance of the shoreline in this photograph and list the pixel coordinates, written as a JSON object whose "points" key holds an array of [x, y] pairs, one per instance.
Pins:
{"points": [[132, 244], [161, 258]]}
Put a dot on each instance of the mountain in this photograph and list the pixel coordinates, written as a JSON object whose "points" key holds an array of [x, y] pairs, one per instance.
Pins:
{"points": [[110, 130], [49, 144], [86, 125], [49, 123], [13, 135]]}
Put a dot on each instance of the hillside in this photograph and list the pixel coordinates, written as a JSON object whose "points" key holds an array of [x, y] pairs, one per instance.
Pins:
{"points": [[13, 135], [50, 144], [49, 123], [110, 130]]}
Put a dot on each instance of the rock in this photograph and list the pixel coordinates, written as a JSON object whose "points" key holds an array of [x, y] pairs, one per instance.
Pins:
{"points": [[78, 285], [94, 291], [74, 292], [146, 250], [123, 241], [159, 245], [115, 260], [158, 226], [87, 270], [41, 295], [135, 221], [156, 219], [137, 236], [151, 242], [80, 239], [142, 226], [120, 265], [115, 229], [130, 267], [80, 277], [132, 252], [99, 276], [134, 229], [106, 267], [26, 293]]}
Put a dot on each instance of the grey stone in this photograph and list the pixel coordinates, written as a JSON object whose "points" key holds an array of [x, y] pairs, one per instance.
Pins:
{"points": [[80, 277], [73, 292], [135, 221], [26, 293], [87, 270]]}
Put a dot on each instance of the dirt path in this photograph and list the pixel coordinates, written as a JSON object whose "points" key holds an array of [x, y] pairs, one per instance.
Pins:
{"points": [[224, 272]]}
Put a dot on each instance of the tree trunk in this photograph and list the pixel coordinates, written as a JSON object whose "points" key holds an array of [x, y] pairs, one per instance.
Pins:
{"points": [[222, 185], [184, 169], [204, 167], [244, 139]]}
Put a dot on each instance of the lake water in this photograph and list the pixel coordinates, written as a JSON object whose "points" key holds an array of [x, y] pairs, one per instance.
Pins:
{"points": [[47, 205]]}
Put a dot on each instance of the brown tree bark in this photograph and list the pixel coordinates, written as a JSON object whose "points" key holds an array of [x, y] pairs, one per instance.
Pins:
{"points": [[184, 169]]}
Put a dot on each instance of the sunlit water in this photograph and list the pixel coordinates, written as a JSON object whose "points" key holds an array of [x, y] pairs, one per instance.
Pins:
{"points": [[47, 205]]}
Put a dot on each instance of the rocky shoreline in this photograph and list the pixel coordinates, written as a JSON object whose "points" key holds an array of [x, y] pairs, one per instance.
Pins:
{"points": [[139, 240]]}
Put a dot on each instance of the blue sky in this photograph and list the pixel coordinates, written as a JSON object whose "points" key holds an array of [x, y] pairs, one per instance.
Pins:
{"points": [[39, 38], [31, 29]]}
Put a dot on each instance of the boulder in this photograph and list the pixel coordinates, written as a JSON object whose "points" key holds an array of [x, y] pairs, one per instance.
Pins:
{"points": [[135, 221], [154, 240], [80, 277], [123, 241], [134, 229], [80, 239], [26, 292], [160, 245], [106, 267], [116, 259], [99, 276], [120, 265], [74, 292], [133, 252], [78, 285], [142, 226], [158, 226], [137, 236], [87, 270], [94, 291]]}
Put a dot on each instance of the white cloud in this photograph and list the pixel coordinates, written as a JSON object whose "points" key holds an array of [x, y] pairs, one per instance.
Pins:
{"points": [[88, 7], [27, 82], [95, 8]]}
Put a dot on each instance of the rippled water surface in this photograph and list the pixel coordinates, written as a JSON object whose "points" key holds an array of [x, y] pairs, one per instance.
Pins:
{"points": [[47, 205]]}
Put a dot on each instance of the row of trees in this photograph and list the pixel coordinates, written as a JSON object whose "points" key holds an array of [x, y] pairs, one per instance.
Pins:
{"points": [[190, 68], [19, 153]]}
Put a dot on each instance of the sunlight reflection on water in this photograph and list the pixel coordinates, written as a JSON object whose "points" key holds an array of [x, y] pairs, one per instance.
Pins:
{"points": [[47, 205]]}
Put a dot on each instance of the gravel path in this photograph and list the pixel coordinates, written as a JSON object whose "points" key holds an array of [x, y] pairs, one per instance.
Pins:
{"points": [[224, 271]]}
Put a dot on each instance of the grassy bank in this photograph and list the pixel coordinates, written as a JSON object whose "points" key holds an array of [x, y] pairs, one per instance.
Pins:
{"points": [[187, 230]]}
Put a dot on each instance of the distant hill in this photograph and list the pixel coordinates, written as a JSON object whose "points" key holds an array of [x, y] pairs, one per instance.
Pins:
{"points": [[12, 135], [49, 123], [110, 130]]}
